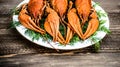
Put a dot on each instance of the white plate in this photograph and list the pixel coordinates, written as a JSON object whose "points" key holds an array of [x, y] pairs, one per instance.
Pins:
{"points": [[81, 44]]}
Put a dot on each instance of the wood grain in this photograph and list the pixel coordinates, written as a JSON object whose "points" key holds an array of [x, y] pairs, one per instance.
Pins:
{"points": [[16, 51], [58, 60], [110, 6]]}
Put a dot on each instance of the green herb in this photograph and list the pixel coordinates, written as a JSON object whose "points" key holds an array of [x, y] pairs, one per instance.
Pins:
{"points": [[74, 39], [61, 45], [49, 37], [15, 11], [101, 14], [96, 47], [34, 35], [102, 22], [61, 29], [105, 29], [13, 24], [101, 27], [42, 23], [96, 4], [85, 27], [94, 39]]}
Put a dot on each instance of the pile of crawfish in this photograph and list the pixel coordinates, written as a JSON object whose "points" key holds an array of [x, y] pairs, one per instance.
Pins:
{"points": [[71, 14]]}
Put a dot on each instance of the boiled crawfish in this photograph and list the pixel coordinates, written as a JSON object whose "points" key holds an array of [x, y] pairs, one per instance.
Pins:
{"points": [[60, 6], [92, 25], [74, 21], [36, 10], [27, 21], [84, 8], [52, 25]]}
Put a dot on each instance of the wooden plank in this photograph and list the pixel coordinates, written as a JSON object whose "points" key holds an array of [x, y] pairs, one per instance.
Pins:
{"points": [[114, 18], [7, 5], [8, 32], [58, 60], [10, 1], [111, 6]]}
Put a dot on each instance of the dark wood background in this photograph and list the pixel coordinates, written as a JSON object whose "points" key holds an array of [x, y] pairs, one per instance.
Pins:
{"points": [[15, 50]]}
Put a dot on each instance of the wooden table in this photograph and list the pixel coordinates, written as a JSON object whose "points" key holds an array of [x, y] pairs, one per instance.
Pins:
{"points": [[16, 51]]}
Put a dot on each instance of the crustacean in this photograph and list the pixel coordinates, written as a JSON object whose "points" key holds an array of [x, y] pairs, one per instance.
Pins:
{"points": [[52, 25], [60, 6], [74, 21], [36, 10], [83, 7], [70, 31], [27, 21], [92, 24]]}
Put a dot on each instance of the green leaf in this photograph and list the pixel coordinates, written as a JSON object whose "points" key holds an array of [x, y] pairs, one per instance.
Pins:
{"points": [[15, 11], [94, 34], [74, 39], [47, 36], [101, 14], [96, 47], [96, 4], [95, 39], [85, 27], [12, 11], [31, 34], [37, 36], [26, 32], [13, 24], [61, 45], [102, 22], [105, 29]]}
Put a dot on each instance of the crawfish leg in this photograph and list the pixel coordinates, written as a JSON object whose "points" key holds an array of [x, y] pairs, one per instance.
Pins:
{"points": [[35, 26], [92, 26], [49, 30], [69, 35], [27, 21], [70, 5], [28, 25], [60, 38], [83, 8], [60, 6], [74, 22], [88, 29], [54, 28]]}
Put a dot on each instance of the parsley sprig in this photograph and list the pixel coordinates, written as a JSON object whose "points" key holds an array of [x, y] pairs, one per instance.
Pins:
{"points": [[15, 11], [96, 47], [34, 35], [13, 24]]}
